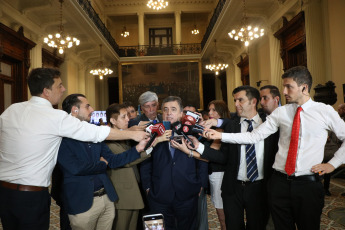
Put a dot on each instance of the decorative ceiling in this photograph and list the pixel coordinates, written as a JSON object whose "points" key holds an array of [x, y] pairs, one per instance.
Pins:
{"points": [[40, 17]]}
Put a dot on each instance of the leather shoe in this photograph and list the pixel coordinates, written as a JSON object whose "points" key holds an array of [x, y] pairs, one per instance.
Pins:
{"points": [[327, 192]]}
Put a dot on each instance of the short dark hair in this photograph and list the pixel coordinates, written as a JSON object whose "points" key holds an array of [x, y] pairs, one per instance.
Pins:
{"points": [[41, 78], [300, 74], [113, 110], [274, 91], [173, 98], [251, 92], [70, 101], [221, 107]]}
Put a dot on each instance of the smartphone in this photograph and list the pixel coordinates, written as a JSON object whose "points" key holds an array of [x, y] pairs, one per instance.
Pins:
{"points": [[154, 221], [177, 138]]}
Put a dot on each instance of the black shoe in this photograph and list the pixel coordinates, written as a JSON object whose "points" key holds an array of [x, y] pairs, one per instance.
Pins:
{"points": [[327, 192]]}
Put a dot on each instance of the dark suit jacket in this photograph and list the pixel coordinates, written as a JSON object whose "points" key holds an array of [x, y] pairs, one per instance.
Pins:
{"points": [[168, 177], [142, 117], [230, 153], [80, 168]]}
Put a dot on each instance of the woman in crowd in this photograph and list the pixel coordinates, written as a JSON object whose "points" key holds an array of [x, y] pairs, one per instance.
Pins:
{"points": [[125, 179]]}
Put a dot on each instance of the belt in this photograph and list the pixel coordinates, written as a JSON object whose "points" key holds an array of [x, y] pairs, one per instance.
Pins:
{"points": [[313, 177], [244, 183], [100, 192], [20, 187]]}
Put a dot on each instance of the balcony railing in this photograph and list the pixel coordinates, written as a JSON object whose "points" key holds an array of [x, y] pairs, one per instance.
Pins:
{"points": [[181, 49], [130, 51], [86, 5], [213, 21]]}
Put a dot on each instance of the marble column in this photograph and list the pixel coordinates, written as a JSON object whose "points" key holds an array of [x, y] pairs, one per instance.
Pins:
{"points": [[314, 41], [178, 27], [141, 29]]}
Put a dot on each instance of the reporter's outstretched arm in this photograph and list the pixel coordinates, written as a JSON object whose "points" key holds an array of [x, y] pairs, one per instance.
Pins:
{"points": [[127, 135]]}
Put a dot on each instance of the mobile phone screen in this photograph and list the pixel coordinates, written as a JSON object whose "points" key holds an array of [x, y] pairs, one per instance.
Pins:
{"points": [[178, 138], [153, 222]]}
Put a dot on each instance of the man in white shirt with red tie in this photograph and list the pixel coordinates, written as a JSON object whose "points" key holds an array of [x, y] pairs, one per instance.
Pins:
{"points": [[295, 191]]}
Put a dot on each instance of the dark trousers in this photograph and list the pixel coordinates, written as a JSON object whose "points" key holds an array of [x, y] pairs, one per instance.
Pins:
{"points": [[251, 198], [178, 215], [295, 202], [24, 210]]}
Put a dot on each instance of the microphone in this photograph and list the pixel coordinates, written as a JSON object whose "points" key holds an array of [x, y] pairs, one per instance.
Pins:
{"points": [[195, 115], [188, 120], [157, 130], [178, 128]]}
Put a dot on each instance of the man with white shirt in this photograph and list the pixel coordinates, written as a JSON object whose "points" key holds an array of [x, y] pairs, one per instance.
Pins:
{"points": [[295, 190], [248, 167], [30, 136]]}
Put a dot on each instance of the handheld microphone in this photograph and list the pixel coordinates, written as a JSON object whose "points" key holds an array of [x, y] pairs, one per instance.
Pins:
{"points": [[148, 129], [195, 115], [188, 120], [177, 127], [157, 130]]}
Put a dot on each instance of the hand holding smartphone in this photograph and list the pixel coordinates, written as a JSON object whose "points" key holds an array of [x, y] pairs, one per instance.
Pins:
{"points": [[153, 222]]}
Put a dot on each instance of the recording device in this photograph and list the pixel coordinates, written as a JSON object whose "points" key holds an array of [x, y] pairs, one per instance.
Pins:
{"points": [[177, 127], [188, 120], [155, 221], [148, 129], [177, 138], [195, 115], [167, 125], [157, 130]]}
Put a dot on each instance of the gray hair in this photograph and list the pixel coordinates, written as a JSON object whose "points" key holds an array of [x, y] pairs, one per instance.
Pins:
{"points": [[148, 96]]}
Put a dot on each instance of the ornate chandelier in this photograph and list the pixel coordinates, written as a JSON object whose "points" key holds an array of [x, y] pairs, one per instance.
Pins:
{"points": [[217, 64], [195, 31], [60, 40], [247, 32], [124, 32], [157, 4], [99, 69]]}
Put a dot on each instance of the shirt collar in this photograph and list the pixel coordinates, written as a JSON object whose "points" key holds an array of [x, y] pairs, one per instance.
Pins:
{"points": [[256, 119], [40, 100], [307, 104]]}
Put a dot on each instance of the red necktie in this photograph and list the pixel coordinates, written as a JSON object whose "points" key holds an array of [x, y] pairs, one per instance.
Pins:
{"points": [[291, 158]]}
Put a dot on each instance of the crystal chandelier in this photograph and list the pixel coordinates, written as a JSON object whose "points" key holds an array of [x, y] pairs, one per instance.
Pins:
{"points": [[124, 32], [157, 4], [195, 31], [99, 69], [59, 40], [247, 32], [217, 64]]}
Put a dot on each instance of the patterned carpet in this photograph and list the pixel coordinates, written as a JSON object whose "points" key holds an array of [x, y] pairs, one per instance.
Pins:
{"points": [[333, 215]]}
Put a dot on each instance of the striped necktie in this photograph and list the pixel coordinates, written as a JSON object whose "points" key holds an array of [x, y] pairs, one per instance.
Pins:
{"points": [[252, 167]]}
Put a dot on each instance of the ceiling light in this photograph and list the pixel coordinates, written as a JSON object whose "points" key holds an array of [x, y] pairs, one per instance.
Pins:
{"points": [[61, 41], [246, 32], [99, 68], [157, 4]]}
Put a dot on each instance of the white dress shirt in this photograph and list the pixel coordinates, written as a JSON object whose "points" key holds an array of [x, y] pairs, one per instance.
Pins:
{"points": [[30, 136], [259, 151], [316, 119]]}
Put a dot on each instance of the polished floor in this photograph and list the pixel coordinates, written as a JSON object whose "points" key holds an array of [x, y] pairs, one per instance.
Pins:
{"points": [[333, 215]]}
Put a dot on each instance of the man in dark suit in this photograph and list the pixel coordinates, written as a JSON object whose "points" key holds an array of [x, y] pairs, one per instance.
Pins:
{"points": [[172, 179], [148, 102], [245, 177], [88, 193]]}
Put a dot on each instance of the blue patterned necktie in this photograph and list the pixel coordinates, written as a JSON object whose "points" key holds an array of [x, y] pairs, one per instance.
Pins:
{"points": [[172, 150], [252, 167]]}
